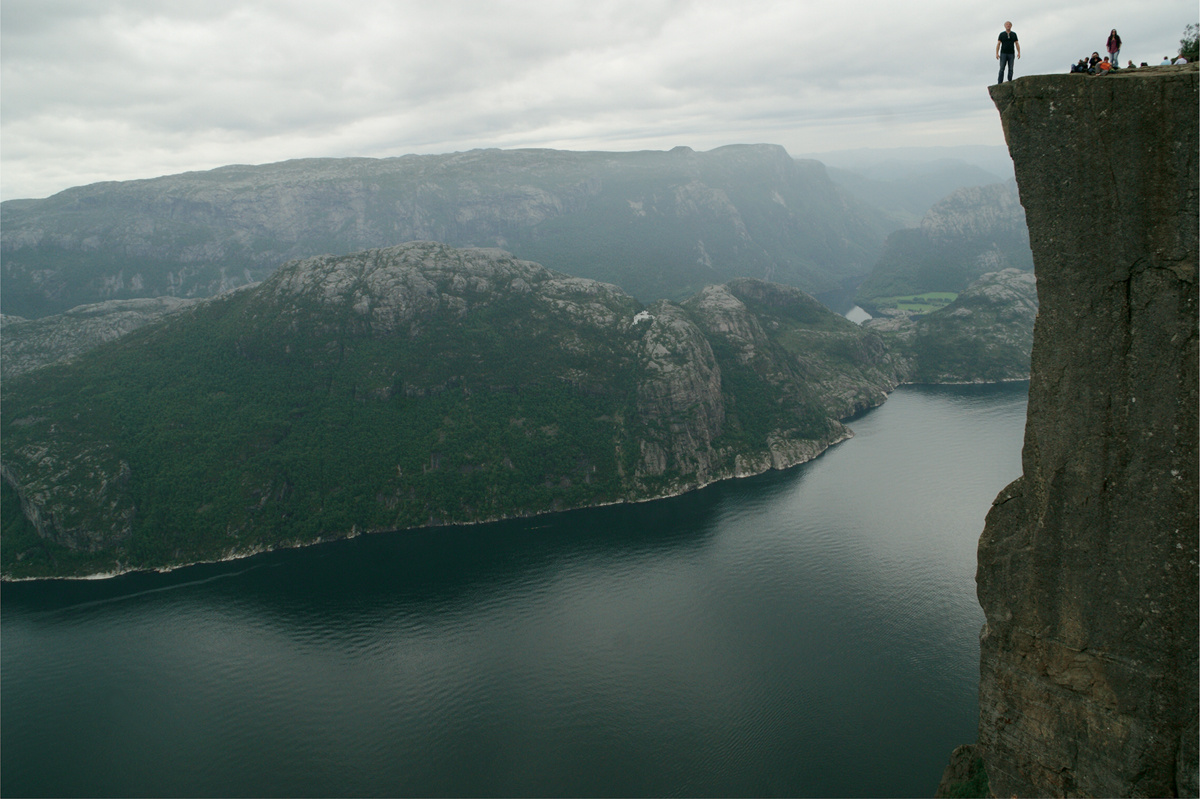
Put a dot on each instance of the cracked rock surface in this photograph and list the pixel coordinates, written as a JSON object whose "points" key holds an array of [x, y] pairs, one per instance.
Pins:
{"points": [[1088, 562]]}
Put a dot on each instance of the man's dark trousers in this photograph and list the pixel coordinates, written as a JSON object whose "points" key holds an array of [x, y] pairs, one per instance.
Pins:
{"points": [[1006, 58]]}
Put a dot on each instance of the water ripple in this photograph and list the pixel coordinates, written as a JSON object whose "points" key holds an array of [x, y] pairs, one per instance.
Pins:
{"points": [[765, 636]]}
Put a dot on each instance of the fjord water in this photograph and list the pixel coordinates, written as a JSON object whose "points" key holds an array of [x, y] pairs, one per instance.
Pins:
{"points": [[809, 632]]}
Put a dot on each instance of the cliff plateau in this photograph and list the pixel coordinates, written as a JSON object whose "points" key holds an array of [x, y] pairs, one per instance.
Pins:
{"points": [[1088, 562]]}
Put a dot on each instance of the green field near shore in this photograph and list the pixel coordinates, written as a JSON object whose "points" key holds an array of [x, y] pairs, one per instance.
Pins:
{"points": [[928, 302]]}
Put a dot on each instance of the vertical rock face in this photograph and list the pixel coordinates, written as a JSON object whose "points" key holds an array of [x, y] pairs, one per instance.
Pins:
{"points": [[1087, 564], [679, 396]]}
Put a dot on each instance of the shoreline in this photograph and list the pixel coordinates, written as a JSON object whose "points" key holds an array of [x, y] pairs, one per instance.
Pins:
{"points": [[845, 435], [972, 382], [732, 474]]}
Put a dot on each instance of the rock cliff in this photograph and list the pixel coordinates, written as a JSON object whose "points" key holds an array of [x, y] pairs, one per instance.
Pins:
{"points": [[1088, 562]]}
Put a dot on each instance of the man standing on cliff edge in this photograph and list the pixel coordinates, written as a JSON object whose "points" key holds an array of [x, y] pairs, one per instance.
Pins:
{"points": [[1004, 51]]}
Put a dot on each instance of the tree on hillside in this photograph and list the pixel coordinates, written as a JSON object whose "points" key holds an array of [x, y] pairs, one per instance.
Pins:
{"points": [[1189, 45]]}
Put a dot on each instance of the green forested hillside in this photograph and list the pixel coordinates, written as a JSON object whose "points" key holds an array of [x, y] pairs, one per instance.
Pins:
{"points": [[985, 335], [412, 386]]}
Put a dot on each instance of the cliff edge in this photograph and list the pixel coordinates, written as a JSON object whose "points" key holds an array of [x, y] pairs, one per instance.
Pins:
{"points": [[1088, 562]]}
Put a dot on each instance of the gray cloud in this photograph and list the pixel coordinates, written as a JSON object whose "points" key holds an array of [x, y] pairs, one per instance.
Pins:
{"points": [[117, 89]]}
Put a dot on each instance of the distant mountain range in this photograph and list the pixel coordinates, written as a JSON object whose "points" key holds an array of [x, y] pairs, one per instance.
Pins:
{"points": [[906, 182], [970, 233], [659, 224], [906, 194]]}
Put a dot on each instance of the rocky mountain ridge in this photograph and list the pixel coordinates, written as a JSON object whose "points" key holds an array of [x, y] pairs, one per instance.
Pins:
{"points": [[28, 344], [660, 224]]}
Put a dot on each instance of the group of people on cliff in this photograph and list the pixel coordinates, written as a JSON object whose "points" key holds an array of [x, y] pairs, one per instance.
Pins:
{"points": [[1008, 50], [1102, 66]]}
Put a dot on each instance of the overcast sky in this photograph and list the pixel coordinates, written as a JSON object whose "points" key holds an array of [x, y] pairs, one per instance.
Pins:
{"points": [[96, 90]]}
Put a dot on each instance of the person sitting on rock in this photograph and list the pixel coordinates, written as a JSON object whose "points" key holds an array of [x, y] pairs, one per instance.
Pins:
{"points": [[1093, 63], [1104, 66], [1130, 65]]}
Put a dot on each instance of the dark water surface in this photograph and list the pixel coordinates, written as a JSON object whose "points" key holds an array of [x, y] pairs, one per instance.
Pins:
{"points": [[811, 632]]}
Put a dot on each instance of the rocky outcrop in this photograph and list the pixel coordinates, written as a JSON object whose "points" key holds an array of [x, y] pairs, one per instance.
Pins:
{"points": [[964, 776], [1088, 562], [678, 397], [659, 224], [28, 344], [985, 335]]}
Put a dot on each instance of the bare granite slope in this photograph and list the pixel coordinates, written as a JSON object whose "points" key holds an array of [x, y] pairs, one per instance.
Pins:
{"points": [[28, 344]]}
